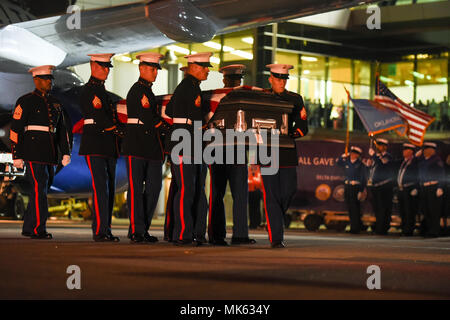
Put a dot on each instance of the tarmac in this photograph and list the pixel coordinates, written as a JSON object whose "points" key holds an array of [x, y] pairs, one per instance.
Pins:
{"points": [[314, 265]]}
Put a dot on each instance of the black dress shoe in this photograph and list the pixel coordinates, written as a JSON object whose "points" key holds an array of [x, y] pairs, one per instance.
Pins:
{"points": [[183, 243], [149, 238], [42, 235], [113, 238], [137, 238], [26, 234], [100, 238], [242, 241], [202, 240], [219, 242], [278, 244]]}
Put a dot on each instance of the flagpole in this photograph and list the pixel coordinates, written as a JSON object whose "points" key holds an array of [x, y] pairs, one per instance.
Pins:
{"points": [[347, 139]]}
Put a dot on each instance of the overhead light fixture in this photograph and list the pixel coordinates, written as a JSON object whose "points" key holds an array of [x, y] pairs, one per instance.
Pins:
{"points": [[179, 49], [442, 80], [239, 53], [212, 44], [248, 40], [384, 79], [417, 74], [309, 59], [306, 72], [136, 61], [409, 83], [243, 54]]}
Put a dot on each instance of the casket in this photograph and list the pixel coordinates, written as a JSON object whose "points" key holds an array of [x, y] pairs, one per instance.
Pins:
{"points": [[252, 111]]}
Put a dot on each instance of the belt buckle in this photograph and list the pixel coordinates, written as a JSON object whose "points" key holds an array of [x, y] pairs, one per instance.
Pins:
{"points": [[369, 182]]}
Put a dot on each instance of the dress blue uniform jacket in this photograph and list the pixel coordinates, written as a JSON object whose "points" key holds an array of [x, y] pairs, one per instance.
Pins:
{"points": [[38, 109], [288, 156], [98, 139], [142, 140], [381, 170], [354, 171], [432, 169], [407, 173]]}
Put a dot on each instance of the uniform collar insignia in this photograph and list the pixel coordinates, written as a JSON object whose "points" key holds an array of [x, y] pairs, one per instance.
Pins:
{"points": [[96, 81], [145, 82]]}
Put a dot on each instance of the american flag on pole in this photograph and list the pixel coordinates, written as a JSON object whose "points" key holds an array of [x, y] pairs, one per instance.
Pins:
{"points": [[418, 121]]}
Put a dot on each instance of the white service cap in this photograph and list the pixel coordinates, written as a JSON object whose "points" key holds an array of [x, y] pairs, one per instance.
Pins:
{"points": [[46, 70], [201, 58], [279, 70], [150, 58]]}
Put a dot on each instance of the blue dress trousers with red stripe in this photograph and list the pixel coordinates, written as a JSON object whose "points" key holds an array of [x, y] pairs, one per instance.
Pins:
{"points": [[280, 188], [100, 146], [40, 149]]}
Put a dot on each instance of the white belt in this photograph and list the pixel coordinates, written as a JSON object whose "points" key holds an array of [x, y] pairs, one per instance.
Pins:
{"points": [[406, 185], [381, 183], [182, 120], [134, 121], [89, 121], [37, 128], [430, 183]]}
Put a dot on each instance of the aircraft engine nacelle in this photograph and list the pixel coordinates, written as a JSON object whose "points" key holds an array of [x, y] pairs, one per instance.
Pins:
{"points": [[181, 21]]}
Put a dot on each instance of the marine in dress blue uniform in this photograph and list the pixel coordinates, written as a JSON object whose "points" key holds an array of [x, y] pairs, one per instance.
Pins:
{"points": [[100, 145], [355, 181], [407, 183], [279, 189], [432, 182], [380, 182], [38, 135], [143, 150], [236, 175], [185, 107]]}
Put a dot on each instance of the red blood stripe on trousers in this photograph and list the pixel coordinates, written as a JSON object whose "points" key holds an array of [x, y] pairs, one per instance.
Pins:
{"points": [[210, 199], [265, 210], [182, 198], [130, 178], [36, 199], [97, 213]]}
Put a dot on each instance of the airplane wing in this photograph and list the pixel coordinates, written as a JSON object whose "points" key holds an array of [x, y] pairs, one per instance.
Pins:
{"points": [[141, 25]]}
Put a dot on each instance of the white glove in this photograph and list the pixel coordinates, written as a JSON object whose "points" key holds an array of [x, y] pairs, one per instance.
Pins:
{"points": [[344, 155], [65, 160], [439, 192], [362, 195], [419, 153], [371, 152], [414, 192], [18, 163]]}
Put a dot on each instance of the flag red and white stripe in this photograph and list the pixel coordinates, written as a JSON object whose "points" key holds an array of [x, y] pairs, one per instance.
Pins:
{"points": [[418, 121]]}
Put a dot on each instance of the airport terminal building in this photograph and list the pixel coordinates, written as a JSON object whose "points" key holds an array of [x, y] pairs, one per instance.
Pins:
{"points": [[330, 52]]}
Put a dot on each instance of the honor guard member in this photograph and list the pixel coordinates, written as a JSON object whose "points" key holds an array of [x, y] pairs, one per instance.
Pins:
{"points": [[143, 149], [237, 175], [185, 107], [355, 174], [431, 177], [279, 189], [100, 144], [38, 134], [408, 189], [380, 183]]}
